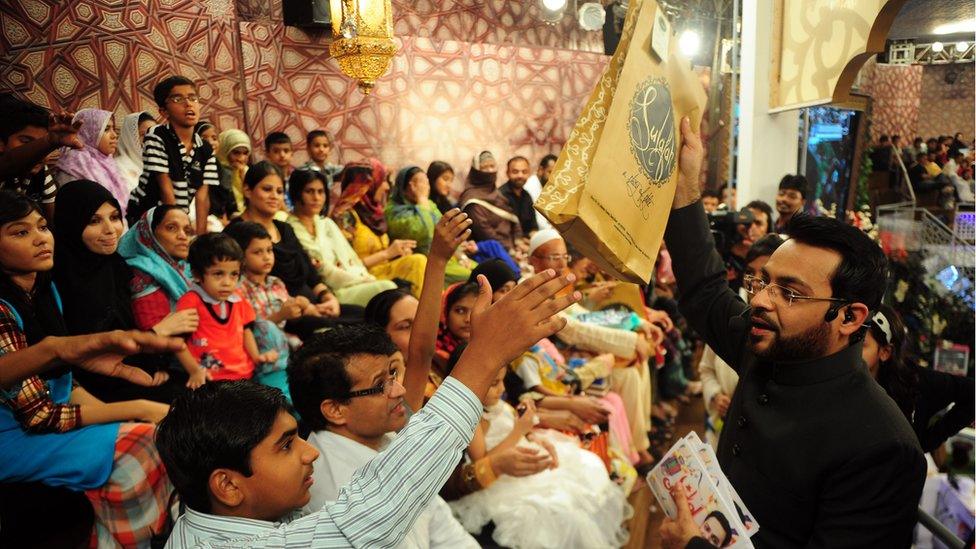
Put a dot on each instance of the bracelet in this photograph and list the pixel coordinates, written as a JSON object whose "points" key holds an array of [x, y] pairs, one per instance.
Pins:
{"points": [[484, 472]]}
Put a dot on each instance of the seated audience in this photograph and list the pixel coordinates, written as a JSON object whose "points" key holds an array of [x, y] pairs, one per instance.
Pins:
{"points": [[223, 345], [54, 432], [95, 162], [233, 158], [964, 189], [519, 200], [341, 269], [922, 394], [360, 214], [572, 504], [155, 249], [233, 451], [208, 132], [490, 211], [278, 151], [128, 156], [178, 166], [441, 177], [93, 283], [347, 388], [24, 124]]}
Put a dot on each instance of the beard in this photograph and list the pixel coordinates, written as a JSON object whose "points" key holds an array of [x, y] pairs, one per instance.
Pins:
{"points": [[811, 343]]}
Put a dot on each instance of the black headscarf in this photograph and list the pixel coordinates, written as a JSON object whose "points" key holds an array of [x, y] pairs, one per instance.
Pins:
{"points": [[94, 288], [496, 271]]}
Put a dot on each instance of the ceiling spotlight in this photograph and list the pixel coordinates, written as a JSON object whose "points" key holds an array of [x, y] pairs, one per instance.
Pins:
{"points": [[552, 11], [961, 47], [936, 47], [592, 16], [688, 43]]}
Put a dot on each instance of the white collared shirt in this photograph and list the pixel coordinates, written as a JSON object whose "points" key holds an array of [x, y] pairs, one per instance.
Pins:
{"points": [[339, 459], [381, 502]]}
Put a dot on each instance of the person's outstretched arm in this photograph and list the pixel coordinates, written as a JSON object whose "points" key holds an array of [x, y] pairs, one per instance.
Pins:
{"points": [[62, 132]]}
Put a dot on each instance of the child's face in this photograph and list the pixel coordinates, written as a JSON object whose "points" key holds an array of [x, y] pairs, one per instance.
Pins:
{"points": [[109, 142], [259, 256], [319, 149], [280, 154], [183, 106], [266, 197], [27, 134], [281, 466], [496, 389], [220, 279], [239, 157], [27, 245], [459, 317], [443, 183], [144, 128], [210, 136]]}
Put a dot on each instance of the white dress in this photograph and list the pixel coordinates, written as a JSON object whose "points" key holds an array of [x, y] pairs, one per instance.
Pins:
{"points": [[575, 505]]}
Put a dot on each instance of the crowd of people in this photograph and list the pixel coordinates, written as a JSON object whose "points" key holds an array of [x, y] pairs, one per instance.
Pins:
{"points": [[942, 164], [336, 355]]}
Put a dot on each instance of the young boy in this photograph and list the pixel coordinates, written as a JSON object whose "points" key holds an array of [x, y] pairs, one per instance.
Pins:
{"points": [[278, 151], [178, 166], [319, 144], [269, 298], [223, 345], [23, 123]]}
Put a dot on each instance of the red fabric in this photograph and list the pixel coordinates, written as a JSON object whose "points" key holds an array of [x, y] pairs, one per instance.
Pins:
{"points": [[149, 309], [218, 346]]}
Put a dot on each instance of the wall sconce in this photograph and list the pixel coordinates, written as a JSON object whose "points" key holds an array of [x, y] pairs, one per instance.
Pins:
{"points": [[363, 39]]}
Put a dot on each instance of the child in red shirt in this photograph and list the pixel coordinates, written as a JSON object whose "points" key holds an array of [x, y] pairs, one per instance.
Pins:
{"points": [[223, 346]]}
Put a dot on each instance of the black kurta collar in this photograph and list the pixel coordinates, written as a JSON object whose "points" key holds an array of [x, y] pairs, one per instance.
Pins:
{"points": [[818, 370]]}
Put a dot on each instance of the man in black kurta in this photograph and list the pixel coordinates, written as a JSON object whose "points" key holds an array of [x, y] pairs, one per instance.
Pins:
{"points": [[819, 453]]}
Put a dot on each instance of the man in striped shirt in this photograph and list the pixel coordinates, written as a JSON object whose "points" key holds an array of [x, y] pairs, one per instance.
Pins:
{"points": [[234, 454], [178, 167]]}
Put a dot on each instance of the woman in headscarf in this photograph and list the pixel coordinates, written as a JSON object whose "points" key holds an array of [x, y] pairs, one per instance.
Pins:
{"points": [[128, 157], [340, 267], [156, 248], [95, 161], [359, 212], [53, 431], [93, 281], [492, 214], [441, 176], [234, 157]]}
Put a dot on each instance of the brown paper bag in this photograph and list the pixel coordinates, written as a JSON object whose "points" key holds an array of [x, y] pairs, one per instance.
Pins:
{"points": [[610, 193]]}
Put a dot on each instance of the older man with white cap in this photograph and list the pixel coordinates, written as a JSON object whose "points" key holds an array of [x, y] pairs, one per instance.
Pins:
{"points": [[547, 250]]}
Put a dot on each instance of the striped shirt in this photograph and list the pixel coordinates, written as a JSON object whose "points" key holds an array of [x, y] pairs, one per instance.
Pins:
{"points": [[39, 187], [381, 502], [154, 160]]}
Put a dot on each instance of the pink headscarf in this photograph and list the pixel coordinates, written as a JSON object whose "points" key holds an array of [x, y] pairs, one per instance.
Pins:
{"points": [[89, 162]]}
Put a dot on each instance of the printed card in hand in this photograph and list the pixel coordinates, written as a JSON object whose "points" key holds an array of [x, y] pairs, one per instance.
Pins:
{"points": [[715, 516], [707, 455]]}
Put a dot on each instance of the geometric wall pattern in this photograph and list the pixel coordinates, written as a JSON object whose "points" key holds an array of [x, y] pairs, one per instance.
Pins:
{"points": [[895, 92], [947, 108]]}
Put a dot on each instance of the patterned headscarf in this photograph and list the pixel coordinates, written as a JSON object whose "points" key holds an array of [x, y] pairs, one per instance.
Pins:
{"points": [[90, 163], [142, 251], [359, 184]]}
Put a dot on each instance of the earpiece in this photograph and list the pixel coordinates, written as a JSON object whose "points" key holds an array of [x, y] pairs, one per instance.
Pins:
{"points": [[848, 316], [832, 313]]}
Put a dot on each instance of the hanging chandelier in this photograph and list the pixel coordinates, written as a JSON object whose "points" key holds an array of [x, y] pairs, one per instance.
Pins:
{"points": [[363, 39]]}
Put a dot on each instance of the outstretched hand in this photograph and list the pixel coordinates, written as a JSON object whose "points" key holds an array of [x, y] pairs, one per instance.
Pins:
{"points": [[449, 233], [62, 130], [102, 353]]}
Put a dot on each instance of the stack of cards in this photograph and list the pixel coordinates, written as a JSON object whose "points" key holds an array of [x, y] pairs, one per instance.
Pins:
{"points": [[717, 509]]}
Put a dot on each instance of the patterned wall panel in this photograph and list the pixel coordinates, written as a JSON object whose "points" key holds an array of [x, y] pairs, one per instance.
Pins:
{"points": [[109, 53], [944, 108], [894, 90]]}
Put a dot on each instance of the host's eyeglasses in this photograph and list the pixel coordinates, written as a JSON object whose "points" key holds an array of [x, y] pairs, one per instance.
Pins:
{"points": [[754, 285], [386, 387], [180, 99]]}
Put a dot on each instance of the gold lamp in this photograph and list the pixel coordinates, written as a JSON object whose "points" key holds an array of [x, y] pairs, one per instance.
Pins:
{"points": [[363, 44]]}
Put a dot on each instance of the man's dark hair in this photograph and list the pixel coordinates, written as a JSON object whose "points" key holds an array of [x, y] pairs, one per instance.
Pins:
{"points": [[159, 214], [243, 232], [763, 247], [164, 87], [717, 515], [300, 179], [764, 208], [708, 193], [921, 155], [883, 139], [317, 133], [276, 138], [517, 159], [862, 273], [794, 183], [18, 114], [917, 141], [547, 159], [209, 248], [317, 371], [895, 138], [146, 117], [215, 427]]}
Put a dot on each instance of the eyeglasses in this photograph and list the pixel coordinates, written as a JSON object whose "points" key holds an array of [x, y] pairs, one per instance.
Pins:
{"points": [[755, 285], [552, 258], [180, 99], [386, 387]]}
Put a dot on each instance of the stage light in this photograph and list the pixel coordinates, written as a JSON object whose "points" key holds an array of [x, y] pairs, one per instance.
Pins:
{"points": [[554, 5], [961, 46], [688, 43], [551, 11], [936, 47], [967, 26]]}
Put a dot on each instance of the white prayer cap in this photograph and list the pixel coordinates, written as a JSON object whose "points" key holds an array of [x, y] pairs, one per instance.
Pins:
{"points": [[541, 237]]}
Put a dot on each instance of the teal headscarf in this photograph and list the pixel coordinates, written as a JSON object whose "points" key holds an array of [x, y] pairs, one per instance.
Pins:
{"points": [[142, 251]]}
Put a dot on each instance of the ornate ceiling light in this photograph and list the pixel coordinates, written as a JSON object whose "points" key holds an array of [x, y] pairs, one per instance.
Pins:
{"points": [[363, 44]]}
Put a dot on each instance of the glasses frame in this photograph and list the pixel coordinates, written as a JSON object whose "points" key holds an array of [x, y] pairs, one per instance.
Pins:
{"points": [[180, 99], [385, 389], [790, 295]]}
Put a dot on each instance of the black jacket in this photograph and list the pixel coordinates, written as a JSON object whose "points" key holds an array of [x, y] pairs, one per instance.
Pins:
{"points": [[818, 452]]}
